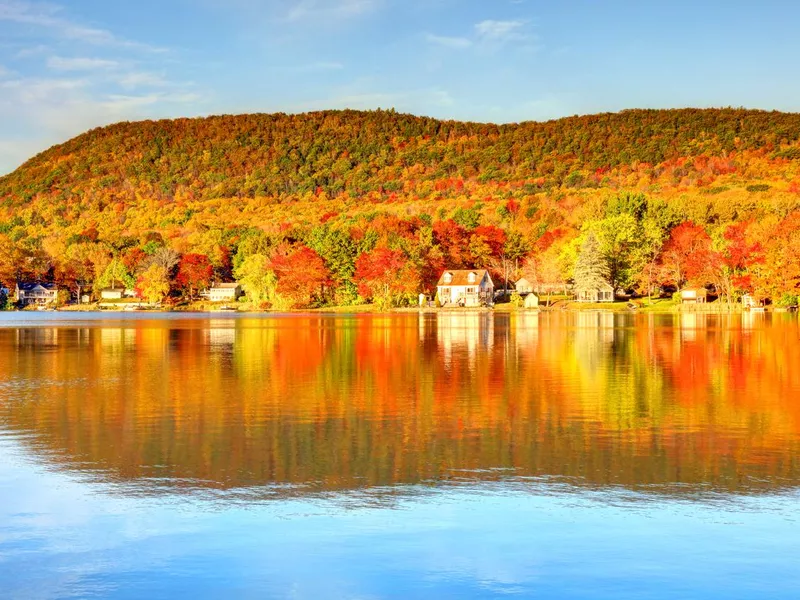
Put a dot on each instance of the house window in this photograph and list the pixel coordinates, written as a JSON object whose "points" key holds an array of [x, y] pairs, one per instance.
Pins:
{"points": [[472, 290], [471, 278], [448, 277]]}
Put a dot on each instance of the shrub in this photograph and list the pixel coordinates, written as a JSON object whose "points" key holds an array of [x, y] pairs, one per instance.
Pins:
{"points": [[787, 300]]}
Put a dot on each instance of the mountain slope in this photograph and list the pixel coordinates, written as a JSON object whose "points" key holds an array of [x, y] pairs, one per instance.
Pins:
{"points": [[361, 152]]}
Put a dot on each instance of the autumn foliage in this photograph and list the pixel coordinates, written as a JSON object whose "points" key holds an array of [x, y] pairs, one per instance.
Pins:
{"points": [[322, 200]]}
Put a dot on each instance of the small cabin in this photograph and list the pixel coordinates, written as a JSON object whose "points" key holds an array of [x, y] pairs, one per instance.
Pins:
{"points": [[531, 300], [694, 296], [223, 292], [601, 293], [523, 286], [465, 288], [29, 293], [117, 291]]}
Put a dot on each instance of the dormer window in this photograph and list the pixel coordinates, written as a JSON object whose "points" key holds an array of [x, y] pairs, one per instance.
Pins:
{"points": [[448, 277], [472, 277]]}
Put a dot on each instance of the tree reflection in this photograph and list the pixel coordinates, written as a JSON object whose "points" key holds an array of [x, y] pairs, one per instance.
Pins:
{"points": [[350, 402]]}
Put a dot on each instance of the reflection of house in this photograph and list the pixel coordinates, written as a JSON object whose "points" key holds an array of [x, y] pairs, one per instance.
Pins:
{"points": [[465, 288], [464, 334], [602, 293], [36, 293], [223, 292], [523, 286], [694, 296]]}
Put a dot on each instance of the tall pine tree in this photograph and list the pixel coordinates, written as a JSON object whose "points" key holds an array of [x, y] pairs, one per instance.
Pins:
{"points": [[591, 269]]}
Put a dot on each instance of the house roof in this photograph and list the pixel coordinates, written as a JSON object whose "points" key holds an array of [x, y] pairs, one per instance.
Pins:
{"points": [[460, 277], [224, 286], [585, 288], [27, 286]]}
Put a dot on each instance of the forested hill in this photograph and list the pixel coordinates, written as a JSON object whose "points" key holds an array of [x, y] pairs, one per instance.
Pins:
{"points": [[365, 152]]}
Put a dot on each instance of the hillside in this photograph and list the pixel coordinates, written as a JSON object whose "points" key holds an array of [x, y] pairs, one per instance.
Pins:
{"points": [[361, 152], [430, 193]]}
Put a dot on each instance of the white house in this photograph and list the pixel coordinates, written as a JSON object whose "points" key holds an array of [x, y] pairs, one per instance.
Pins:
{"points": [[531, 300], [223, 292], [602, 293], [117, 291], [465, 288], [694, 296], [523, 286], [36, 293]]}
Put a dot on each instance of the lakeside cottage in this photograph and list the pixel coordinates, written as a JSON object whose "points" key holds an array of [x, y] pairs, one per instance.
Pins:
{"points": [[694, 296], [465, 288], [117, 291], [531, 300], [602, 293], [523, 286], [223, 292], [40, 294]]}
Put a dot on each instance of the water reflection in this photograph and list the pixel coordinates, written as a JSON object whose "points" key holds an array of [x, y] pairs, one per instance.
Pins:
{"points": [[315, 403]]}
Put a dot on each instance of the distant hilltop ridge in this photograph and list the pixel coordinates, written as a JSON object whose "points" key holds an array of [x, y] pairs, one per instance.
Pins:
{"points": [[287, 156]]}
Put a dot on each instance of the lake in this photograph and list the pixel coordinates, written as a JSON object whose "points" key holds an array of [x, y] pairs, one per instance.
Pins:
{"points": [[546, 455]]}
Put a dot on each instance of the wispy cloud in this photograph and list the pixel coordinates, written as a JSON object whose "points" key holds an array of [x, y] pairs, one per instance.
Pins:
{"points": [[96, 78], [32, 51], [500, 31], [304, 10], [51, 17], [59, 63], [486, 35], [448, 42], [119, 104], [140, 79]]}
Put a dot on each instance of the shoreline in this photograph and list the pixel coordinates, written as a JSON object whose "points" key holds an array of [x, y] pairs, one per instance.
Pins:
{"points": [[618, 307]]}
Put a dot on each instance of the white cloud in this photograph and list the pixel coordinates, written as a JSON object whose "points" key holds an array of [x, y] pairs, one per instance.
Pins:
{"points": [[304, 10], [59, 63], [32, 51], [34, 90], [488, 35], [48, 16], [500, 31], [448, 42], [85, 90], [139, 79]]}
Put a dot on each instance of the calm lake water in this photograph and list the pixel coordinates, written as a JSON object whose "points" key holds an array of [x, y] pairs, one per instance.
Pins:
{"points": [[580, 455]]}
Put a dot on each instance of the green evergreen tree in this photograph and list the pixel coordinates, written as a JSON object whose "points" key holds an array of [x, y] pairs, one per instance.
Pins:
{"points": [[591, 268]]}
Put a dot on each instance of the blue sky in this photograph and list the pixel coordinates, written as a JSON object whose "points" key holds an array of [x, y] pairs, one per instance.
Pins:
{"points": [[70, 65]]}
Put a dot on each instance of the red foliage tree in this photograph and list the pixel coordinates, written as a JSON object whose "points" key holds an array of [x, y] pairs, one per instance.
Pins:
{"points": [[386, 276], [454, 242], [740, 255], [194, 271], [686, 256], [302, 275]]}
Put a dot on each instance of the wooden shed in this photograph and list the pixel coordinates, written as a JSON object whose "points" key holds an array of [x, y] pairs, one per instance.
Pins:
{"points": [[694, 296]]}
